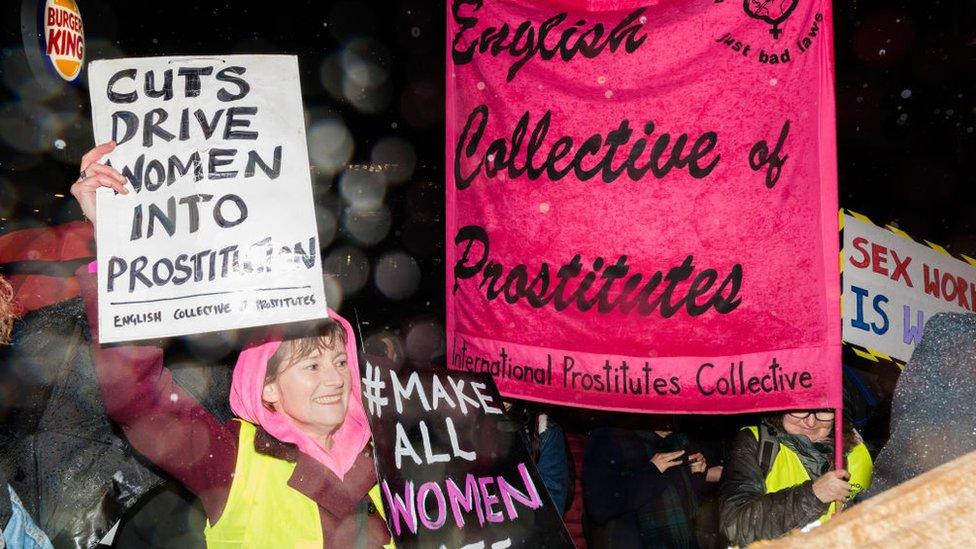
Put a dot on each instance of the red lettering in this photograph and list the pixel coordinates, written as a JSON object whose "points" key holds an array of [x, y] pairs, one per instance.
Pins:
{"points": [[931, 286], [961, 292], [901, 269], [858, 244], [53, 41], [954, 288], [63, 19], [878, 258], [946, 279], [70, 46]]}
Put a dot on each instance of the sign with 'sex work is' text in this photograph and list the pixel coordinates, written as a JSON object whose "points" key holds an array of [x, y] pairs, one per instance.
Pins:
{"points": [[893, 285], [454, 471], [218, 229]]}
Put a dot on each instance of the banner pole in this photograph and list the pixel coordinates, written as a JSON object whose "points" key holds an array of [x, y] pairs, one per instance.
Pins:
{"points": [[839, 447]]}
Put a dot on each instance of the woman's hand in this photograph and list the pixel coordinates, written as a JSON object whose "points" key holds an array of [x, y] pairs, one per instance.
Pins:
{"points": [[832, 486], [697, 463], [667, 460], [94, 174], [714, 474]]}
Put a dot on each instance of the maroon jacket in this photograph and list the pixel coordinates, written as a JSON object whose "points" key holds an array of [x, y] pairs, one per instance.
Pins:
{"points": [[166, 425]]}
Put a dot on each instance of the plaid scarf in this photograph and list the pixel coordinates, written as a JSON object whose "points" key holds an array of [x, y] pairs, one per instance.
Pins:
{"points": [[669, 520]]}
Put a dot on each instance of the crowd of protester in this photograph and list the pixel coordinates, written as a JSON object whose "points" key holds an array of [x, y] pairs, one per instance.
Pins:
{"points": [[293, 467]]}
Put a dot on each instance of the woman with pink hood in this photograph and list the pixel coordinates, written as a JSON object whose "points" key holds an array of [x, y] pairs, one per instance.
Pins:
{"points": [[295, 469]]}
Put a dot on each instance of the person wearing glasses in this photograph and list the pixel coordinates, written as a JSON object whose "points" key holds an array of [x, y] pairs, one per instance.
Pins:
{"points": [[781, 475]]}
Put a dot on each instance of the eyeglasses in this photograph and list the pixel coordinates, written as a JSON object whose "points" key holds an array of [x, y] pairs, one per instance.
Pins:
{"points": [[820, 416]]}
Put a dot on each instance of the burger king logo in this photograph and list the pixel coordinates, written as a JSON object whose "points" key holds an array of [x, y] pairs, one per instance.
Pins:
{"points": [[63, 38]]}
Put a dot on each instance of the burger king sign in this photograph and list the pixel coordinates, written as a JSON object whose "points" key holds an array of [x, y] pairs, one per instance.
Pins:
{"points": [[62, 38]]}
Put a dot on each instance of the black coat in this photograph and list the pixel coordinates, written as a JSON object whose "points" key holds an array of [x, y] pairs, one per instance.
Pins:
{"points": [[74, 472], [747, 512], [620, 482]]}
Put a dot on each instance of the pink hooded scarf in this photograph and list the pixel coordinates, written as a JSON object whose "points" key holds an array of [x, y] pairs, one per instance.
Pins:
{"points": [[245, 400]]}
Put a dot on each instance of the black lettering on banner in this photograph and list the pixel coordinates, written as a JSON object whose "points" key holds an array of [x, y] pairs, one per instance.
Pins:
{"points": [[506, 154], [131, 126], [712, 379], [695, 299], [167, 220], [208, 127], [217, 160], [151, 126], [191, 78], [191, 204], [254, 160], [231, 75], [222, 221], [526, 42], [760, 157], [234, 122], [121, 97], [166, 91]]}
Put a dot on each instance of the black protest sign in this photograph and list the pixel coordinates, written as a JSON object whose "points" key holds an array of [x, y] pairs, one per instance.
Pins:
{"points": [[454, 470]]}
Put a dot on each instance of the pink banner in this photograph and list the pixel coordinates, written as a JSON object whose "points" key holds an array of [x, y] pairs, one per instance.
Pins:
{"points": [[642, 202]]}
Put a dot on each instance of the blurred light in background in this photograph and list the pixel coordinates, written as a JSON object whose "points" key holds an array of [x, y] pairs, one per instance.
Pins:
{"points": [[397, 275], [425, 341], [397, 158], [349, 267], [367, 227]]}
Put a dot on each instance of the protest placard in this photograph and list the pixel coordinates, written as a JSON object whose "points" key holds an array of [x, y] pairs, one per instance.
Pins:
{"points": [[218, 230], [454, 470], [641, 203], [893, 285]]}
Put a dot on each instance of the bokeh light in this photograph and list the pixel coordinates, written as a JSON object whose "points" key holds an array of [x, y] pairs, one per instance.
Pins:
{"points": [[425, 342], [330, 145], [349, 267], [396, 157], [367, 227], [397, 275], [363, 190]]}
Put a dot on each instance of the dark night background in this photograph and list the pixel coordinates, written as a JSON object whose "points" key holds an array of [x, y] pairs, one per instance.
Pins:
{"points": [[373, 88], [369, 72]]}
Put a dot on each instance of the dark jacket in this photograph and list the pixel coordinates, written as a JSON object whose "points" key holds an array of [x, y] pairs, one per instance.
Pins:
{"points": [[553, 465], [747, 512], [174, 431], [629, 502], [74, 474]]}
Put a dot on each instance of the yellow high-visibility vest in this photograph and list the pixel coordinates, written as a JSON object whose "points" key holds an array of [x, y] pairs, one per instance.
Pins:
{"points": [[262, 510], [787, 471]]}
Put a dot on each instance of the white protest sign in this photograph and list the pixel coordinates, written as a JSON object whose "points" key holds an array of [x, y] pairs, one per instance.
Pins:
{"points": [[893, 285], [218, 229]]}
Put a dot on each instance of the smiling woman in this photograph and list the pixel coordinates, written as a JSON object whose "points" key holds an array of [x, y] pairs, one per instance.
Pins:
{"points": [[297, 451], [308, 380]]}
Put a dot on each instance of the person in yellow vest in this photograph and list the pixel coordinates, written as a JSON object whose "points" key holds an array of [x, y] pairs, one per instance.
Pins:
{"points": [[780, 475], [294, 469]]}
